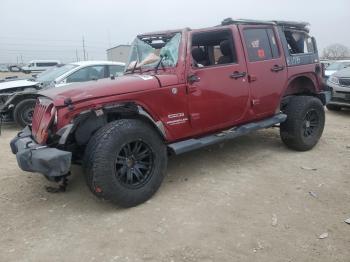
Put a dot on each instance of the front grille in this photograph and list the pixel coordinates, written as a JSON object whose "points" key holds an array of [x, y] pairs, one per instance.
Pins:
{"points": [[42, 118], [344, 82]]}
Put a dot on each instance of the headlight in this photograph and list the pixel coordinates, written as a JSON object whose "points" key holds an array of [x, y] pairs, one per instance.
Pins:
{"points": [[334, 80]]}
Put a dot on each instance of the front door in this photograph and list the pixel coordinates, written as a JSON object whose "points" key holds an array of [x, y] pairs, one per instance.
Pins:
{"points": [[266, 68], [218, 89]]}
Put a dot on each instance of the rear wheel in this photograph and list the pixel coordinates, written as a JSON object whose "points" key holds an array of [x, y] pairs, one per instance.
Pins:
{"points": [[305, 123], [23, 112], [333, 107], [125, 162]]}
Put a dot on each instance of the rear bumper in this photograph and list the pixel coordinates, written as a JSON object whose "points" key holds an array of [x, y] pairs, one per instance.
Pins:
{"points": [[32, 157]]}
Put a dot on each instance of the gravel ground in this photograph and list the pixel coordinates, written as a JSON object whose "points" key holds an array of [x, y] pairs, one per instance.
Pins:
{"points": [[18, 74], [250, 199]]}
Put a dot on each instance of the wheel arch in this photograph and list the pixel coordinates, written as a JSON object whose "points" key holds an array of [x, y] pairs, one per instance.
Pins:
{"points": [[303, 84], [88, 122], [17, 98]]}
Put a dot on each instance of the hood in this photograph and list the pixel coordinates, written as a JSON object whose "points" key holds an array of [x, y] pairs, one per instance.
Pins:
{"points": [[344, 73], [17, 83], [101, 88]]}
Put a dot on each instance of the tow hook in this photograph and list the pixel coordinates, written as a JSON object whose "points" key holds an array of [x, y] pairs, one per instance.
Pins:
{"points": [[62, 182]]}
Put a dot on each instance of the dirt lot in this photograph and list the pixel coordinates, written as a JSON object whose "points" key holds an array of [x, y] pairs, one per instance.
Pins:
{"points": [[9, 74], [247, 200]]}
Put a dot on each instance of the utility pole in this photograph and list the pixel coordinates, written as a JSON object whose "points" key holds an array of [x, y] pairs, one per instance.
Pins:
{"points": [[76, 55], [84, 49]]}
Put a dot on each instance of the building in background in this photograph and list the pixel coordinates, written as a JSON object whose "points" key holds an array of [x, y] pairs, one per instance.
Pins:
{"points": [[119, 53]]}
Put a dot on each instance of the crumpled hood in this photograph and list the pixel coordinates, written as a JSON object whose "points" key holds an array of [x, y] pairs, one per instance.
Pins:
{"points": [[17, 83], [101, 88]]}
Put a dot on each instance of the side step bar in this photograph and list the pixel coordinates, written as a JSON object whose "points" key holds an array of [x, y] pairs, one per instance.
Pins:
{"points": [[192, 144]]}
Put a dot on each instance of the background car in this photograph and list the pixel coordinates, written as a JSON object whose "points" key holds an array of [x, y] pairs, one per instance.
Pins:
{"points": [[18, 97], [340, 85], [36, 66], [336, 66], [3, 68]]}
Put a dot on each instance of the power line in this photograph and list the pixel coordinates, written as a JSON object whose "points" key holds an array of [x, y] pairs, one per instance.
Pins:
{"points": [[47, 45], [50, 40]]}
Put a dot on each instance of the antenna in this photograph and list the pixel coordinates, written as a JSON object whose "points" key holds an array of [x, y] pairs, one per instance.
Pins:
{"points": [[84, 49]]}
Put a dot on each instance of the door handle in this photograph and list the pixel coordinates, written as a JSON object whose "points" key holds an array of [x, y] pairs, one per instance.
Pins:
{"points": [[237, 75], [277, 68], [193, 78]]}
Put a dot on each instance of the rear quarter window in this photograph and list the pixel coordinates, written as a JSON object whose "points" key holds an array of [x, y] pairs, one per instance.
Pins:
{"points": [[299, 42]]}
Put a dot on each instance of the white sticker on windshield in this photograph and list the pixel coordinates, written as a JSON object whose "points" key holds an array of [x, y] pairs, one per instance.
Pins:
{"points": [[146, 77]]}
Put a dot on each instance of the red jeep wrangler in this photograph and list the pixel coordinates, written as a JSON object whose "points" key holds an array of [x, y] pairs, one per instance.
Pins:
{"points": [[182, 90]]}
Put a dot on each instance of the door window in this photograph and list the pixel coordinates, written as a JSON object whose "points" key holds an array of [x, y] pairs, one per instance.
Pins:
{"points": [[213, 48], [87, 74]]}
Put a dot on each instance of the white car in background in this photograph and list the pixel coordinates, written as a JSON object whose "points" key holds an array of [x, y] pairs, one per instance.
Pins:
{"points": [[36, 66], [18, 97], [336, 66]]}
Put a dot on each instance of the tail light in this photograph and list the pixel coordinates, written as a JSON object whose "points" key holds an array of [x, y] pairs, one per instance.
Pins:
{"points": [[44, 114]]}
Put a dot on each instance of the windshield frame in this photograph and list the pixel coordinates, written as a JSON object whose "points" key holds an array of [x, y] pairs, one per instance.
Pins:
{"points": [[158, 64]]}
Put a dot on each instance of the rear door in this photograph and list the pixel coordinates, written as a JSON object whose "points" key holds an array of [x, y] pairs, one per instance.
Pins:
{"points": [[218, 89], [267, 71]]}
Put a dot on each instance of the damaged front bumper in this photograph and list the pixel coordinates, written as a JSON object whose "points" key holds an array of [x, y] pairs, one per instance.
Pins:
{"points": [[32, 157]]}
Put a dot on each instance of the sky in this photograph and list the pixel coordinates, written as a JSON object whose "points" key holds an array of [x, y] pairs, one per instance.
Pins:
{"points": [[54, 29]]}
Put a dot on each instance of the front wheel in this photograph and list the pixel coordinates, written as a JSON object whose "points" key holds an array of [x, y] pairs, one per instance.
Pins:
{"points": [[305, 123], [125, 162], [23, 112]]}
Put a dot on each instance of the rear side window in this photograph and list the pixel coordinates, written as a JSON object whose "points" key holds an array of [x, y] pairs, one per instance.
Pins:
{"points": [[273, 43], [261, 44], [299, 42], [44, 64], [87, 74], [116, 70]]}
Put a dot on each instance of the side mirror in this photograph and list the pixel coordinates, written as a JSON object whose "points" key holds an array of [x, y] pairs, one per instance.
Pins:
{"points": [[62, 82]]}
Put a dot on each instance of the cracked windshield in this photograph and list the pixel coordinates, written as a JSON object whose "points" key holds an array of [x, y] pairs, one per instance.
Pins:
{"points": [[154, 52]]}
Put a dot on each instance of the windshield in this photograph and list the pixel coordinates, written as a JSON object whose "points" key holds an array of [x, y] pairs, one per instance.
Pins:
{"points": [[337, 66], [51, 74], [150, 51]]}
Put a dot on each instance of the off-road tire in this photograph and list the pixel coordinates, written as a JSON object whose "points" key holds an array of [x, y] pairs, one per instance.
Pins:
{"points": [[333, 107], [294, 131], [100, 164], [23, 112]]}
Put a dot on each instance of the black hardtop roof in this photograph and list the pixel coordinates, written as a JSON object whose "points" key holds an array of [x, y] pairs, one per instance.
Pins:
{"points": [[286, 24]]}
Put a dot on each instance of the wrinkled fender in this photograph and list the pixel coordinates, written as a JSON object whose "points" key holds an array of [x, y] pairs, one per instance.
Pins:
{"points": [[88, 122]]}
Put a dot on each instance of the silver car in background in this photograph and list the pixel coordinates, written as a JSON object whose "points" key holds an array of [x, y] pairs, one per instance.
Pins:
{"points": [[18, 97], [339, 82], [335, 67]]}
